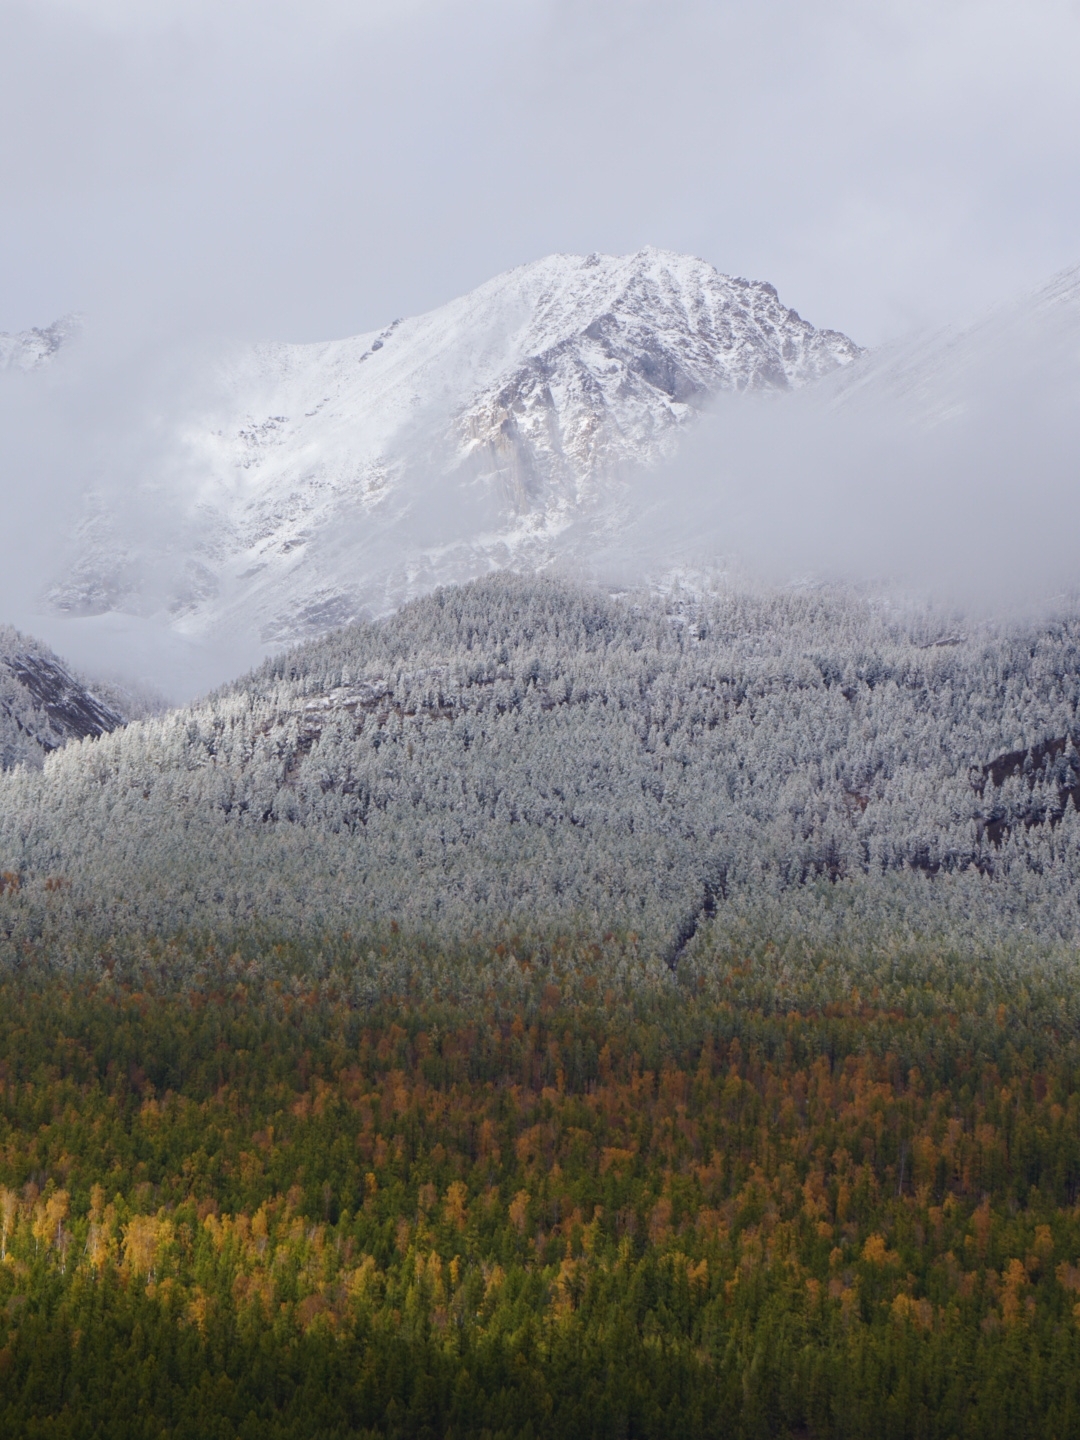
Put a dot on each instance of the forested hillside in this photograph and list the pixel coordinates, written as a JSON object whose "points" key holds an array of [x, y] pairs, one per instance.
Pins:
{"points": [[529, 755], [546, 1013], [542, 1201]]}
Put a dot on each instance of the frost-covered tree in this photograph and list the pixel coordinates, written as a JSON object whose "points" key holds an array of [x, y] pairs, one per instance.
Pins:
{"points": [[521, 753]]}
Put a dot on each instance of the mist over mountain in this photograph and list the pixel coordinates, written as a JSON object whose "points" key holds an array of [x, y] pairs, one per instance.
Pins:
{"points": [[663, 751], [943, 465], [246, 496], [183, 511]]}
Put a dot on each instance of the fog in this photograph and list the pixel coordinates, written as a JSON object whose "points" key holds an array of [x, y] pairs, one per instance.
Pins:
{"points": [[304, 170], [942, 468], [194, 175], [101, 420], [945, 468]]}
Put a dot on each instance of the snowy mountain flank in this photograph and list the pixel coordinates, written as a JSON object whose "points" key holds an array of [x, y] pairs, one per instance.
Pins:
{"points": [[906, 471], [42, 705], [938, 376], [319, 482]]}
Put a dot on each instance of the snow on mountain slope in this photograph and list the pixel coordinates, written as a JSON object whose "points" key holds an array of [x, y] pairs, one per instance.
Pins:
{"points": [[323, 481], [525, 752], [939, 376], [30, 349], [944, 463], [42, 705]]}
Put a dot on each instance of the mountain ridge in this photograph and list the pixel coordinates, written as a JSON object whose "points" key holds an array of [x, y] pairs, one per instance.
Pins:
{"points": [[32, 349], [332, 480]]}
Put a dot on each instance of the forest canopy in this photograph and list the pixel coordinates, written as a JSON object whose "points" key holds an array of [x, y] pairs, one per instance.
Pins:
{"points": [[557, 1202], [549, 1014], [527, 754]]}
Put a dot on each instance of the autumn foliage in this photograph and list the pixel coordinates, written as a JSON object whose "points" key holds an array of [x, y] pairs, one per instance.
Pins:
{"points": [[263, 1210]]}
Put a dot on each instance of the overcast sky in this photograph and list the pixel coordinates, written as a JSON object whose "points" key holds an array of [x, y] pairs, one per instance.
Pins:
{"points": [[309, 168]]}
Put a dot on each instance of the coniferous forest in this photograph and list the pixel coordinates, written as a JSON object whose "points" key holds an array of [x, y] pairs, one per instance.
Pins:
{"points": [[547, 1015]]}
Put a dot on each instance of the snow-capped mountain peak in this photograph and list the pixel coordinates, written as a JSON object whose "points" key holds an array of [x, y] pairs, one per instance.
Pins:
{"points": [[332, 479], [31, 349]]}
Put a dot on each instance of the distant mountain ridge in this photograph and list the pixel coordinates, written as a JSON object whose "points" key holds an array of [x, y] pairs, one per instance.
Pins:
{"points": [[31, 349], [326, 481]]}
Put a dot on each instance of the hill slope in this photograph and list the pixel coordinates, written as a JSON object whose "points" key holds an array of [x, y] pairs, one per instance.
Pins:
{"points": [[530, 754]]}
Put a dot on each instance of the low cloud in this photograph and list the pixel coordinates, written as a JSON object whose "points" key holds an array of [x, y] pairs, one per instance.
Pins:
{"points": [[947, 466]]}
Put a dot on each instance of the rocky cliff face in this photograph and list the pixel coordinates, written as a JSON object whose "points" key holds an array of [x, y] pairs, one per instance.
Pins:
{"points": [[619, 353], [42, 705]]}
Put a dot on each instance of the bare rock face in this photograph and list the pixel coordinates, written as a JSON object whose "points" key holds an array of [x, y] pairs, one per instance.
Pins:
{"points": [[42, 705], [321, 482], [619, 353]]}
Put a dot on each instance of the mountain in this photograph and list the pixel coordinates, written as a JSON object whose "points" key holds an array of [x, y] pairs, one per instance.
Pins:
{"points": [[529, 753], [942, 463], [938, 376], [31, 349], [314, 483], [42, 705]]}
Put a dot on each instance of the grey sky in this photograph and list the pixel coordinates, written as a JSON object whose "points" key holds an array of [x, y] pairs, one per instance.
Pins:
{"points": [[300, 170]]}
